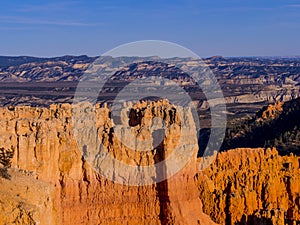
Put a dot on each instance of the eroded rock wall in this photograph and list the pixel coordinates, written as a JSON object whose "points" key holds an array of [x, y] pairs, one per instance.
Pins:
{"points": [[252, 186], [44, 144], [52, 183]]}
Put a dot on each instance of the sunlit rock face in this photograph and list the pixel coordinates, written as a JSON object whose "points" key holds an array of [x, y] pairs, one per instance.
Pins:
{"points": [[63, 185], [51, 182], [252, 186]]}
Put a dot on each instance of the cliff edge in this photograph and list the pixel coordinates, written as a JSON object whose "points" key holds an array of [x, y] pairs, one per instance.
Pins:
{"points": [[45, 147]]}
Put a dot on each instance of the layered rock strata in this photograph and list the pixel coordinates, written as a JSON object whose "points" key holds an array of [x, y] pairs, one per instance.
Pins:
{"points": [[52, 182], [45, 145]]}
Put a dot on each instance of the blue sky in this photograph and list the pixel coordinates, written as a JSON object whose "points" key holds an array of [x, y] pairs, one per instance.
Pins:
{"points": [[207, 27]]}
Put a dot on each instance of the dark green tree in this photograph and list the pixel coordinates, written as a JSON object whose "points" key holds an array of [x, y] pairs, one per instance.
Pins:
{"points": [[5, 159], [5, 156]]}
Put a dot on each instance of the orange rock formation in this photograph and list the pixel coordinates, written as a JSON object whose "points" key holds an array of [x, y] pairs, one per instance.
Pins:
{"points": [[52, 183], [272, 111], [65, 189], [252, 186]]}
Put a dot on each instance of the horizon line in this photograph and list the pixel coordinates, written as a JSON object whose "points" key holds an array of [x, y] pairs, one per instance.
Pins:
{"points": [[206, 57]]}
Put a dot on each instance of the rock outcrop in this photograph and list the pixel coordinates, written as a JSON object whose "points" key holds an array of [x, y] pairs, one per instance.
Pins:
{"points": [[45, 145], [52, 182], [272, 111], [26, 200], [252, 186]]}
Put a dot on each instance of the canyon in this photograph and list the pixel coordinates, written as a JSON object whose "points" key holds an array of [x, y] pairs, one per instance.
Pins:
{"points": [[247, 83], [52, 182]]}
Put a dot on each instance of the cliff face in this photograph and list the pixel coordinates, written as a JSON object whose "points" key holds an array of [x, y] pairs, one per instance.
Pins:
{"points": [[26, 200], [52, 183], [252, 186], [63, 188]]}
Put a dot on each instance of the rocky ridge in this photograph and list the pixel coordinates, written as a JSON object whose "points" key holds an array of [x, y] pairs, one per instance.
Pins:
{"points": [[244, 81], [276, 125]]}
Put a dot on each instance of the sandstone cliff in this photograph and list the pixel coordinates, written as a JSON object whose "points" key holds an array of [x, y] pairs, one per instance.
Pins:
{"points": [[63, 188], [52, 183], [252, 186]]}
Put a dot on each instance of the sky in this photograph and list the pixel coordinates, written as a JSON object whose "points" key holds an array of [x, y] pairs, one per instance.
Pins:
{"points": [[207, 27]]}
